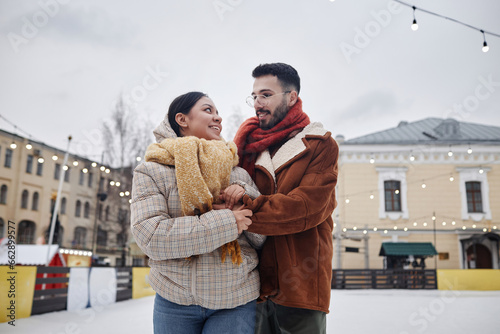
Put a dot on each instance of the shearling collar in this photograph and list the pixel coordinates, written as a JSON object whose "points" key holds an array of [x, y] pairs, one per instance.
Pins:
{"points": [[289, 150]]}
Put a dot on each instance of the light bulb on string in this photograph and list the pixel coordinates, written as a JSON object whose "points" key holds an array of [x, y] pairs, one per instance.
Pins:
{"points": [[347, 200], [405, 229], [485, 45], [375, 229], [425, 224], [450, 152], [29, 146], [412, 157], [55, 157], [13, 145], [494, 227], [415, 224], [481, 170], [423, 185], [354, 228], [372, 160], [473, 225], [469, 150], [372, 196], [453, 223], [451, 178], [463, 227], [41, 160], [414, 25], [94, 164]]}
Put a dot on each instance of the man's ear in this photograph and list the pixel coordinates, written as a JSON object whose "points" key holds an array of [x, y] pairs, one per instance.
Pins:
{"points": [[293, 98], [180, 118]]}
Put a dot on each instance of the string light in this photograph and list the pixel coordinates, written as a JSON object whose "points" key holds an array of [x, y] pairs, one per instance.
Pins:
{"points": [[138, 159], [375, 229], [485, 229], [55, 157], [29, 146], [372, 196], [41, 160], [450, 152], [423, 185], [102, 168], [469, 150], [372, 160], [474, 226], [347, 200], [94, 164], [485, 47], [13, 145], [412, 157], [451, 178], [85, 170], [414, 25], [481, 170], [75, 163]]}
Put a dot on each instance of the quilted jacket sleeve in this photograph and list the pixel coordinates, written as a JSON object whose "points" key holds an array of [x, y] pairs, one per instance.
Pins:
{"points": [[305, 206], [161, 236]]}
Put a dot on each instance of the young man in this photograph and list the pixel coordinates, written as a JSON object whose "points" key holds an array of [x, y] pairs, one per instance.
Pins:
{"points": [[294, 164]]}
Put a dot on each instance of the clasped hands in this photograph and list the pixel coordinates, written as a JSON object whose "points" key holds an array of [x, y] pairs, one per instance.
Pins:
{"points": [[231, 196]]}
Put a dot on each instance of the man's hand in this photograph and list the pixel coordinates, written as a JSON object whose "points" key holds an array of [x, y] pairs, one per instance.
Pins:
{"points": [[232, 195]]}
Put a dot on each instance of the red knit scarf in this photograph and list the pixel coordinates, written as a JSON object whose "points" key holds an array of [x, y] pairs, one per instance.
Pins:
{"points": [[252, 140]]}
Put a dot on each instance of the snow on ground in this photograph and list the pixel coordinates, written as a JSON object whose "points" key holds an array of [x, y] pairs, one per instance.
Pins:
{"points": [[351, 312]]}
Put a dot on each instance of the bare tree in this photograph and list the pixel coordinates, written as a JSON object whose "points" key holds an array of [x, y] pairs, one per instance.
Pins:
{"points": [[233, 122]]}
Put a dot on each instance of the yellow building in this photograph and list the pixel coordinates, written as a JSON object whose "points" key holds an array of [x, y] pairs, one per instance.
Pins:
{"points": [[433, 180], [94, 214]]}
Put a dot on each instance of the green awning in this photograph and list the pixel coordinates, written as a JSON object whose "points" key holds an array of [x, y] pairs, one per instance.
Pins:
{"points": [[407, 248]]}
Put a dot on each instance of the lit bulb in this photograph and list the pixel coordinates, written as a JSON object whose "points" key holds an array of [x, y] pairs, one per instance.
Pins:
{"points": [[127, 193], [452, 178], [130, 201], [117, 183], [375, 229], [365, 232], [469, 150], [406, 229], [75, 163], [347, 200], [107, 171], [372, 160], [395, 227], [29, 146], [494, 227], [415, 224], [102, 168], [344, 229], [65, 167], [414, 26], [122, 194], [423, 185], [85, 170], [138, 159], [453, 223], [412, 157], [41, 160], [463, 227], [450, 154], [385, 231], [481, 171], [55, 157], [396, 191], [354, 228], [371, 196], [444, 223], [94, 164], [485, 229], [112, 183], [485, 47], [13, 146], [425, 224], [433, 217], [474, 226]]}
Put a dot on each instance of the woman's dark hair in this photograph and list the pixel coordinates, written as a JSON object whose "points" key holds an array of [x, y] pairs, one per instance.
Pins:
{"points": [[182, 104]]}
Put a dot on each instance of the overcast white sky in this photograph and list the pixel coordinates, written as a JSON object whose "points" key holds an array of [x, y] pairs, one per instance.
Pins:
{"points": [[64, 62]]}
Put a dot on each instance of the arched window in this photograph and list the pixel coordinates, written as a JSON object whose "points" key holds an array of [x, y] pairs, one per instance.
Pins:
{"points": [[3, 194], [34, 203], [80, 237], [63, 206], [78, 209], [86, 210], [2, 226], [24, 199], [26, 232]]}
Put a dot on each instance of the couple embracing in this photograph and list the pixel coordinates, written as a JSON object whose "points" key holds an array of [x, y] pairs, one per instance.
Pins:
{"points": [[239, 235]]}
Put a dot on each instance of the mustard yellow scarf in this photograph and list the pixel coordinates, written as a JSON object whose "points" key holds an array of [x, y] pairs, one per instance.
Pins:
{"points": [[202, 169]]}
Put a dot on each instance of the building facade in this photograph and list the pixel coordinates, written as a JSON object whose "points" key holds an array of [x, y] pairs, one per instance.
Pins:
{"points": [[434, 181], [94, 214]]}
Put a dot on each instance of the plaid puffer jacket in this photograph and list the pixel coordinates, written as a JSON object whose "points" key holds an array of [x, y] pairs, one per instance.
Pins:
{"points": [[184, 251]]}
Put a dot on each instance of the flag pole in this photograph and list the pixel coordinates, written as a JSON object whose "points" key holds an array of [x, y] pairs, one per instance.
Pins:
{"points": [[58, 199]]}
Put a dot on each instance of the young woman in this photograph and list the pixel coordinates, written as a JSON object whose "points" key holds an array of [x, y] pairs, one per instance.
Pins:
{"points": [[203, 261]]}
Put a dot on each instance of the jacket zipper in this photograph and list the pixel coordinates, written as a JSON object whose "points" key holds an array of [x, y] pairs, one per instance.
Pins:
{"points": [[193, 276]]}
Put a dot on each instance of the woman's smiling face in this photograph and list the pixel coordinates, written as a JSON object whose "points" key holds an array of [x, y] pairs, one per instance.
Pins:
{"points": [[203, 120]]}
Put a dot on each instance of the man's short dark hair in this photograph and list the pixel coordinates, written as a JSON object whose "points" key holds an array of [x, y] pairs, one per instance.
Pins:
{"points": [[286, 74]]}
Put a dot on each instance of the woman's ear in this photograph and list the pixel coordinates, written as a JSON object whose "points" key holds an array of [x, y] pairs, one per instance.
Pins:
{"points": [[180, 118]]}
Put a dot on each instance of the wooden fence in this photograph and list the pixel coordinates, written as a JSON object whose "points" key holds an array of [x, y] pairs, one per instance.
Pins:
{"points": [[384, 279], [51, 289]]}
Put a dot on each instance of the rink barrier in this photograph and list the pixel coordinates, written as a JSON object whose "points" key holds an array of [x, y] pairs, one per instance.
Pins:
{"points": [[37, 290], [383, 279]]}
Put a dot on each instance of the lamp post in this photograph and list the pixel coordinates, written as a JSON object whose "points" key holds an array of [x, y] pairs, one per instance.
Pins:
{"points": [[101, 197]]}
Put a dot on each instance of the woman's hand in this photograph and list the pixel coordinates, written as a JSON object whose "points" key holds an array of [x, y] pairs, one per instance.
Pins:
{"points": [[242, 218], [232, 195]]}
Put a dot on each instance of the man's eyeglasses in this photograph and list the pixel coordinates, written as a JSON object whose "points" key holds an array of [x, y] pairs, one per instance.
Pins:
{"points": [[262, 99]]}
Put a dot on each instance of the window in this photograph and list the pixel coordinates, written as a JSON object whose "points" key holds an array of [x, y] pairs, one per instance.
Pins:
{"points": [[474, 199], [80, 237], [63, 206], [91, 179], [121, 239], [82, 178], [34, 203], [39, 168], [86, 210], [3, 194], [102, 237], [392, 195], [8, 158], [66, 175], [474, 193], [26, 232], [24, 199], [57, 171], [106, 214], [78, 209], [100, 210], [29, 164]]}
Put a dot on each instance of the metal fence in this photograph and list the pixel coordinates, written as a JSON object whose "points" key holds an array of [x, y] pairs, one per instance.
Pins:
{"points": [[384, 279]]}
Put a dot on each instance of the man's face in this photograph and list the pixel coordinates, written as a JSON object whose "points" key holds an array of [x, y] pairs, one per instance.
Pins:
{"points": [[272, 109]]}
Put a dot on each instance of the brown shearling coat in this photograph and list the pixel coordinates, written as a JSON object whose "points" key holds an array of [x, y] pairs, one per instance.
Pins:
{"points": [[295, 212]]}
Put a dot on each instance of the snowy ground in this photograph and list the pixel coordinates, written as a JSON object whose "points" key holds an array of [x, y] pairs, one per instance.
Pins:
{"points": [[351, 312]]}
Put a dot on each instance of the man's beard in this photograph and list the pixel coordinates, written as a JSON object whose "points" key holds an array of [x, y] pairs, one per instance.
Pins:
{"points": [[279, 113]]}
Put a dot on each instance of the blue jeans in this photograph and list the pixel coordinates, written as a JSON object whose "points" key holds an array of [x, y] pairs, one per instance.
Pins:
{"points": [[173, 318]]}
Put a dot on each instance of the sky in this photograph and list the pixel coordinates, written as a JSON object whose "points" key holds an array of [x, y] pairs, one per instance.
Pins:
{"points": [[351, 311], [64, 63]]}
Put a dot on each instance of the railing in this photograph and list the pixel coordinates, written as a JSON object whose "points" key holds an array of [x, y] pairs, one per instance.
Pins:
{"points": [[124, 283], [384, 279], [51, 289]]}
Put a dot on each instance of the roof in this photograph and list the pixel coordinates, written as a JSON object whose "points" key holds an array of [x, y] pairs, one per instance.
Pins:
{"points": [[29, 255], [407, 248], [432, 130]]}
